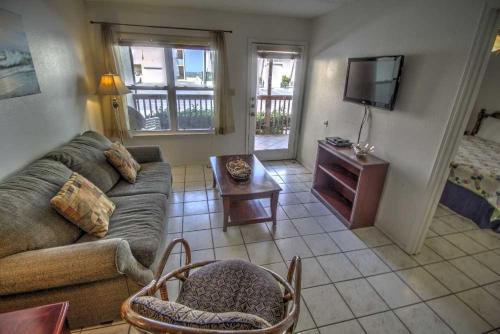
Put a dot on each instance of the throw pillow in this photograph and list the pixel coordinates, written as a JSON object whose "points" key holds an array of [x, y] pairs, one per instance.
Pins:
{"points": [[85, 205], [123, 161]]}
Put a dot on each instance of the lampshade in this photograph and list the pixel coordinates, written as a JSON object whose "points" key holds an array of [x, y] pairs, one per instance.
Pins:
{"points": [[496, 46], [112, 84]]}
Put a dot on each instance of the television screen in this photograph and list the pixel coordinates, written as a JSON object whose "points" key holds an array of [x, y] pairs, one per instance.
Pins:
{"points": [[373, 81]]}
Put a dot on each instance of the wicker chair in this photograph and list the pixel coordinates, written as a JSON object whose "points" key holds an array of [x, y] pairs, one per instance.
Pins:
{"points": [[218, 297]]}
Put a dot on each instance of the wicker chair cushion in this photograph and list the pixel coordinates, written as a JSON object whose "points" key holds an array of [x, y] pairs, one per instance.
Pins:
{"points": [[181, 315], [234, 286]]}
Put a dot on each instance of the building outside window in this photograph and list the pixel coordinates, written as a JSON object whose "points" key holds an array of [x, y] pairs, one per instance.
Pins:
{"points": [[172, 87]]}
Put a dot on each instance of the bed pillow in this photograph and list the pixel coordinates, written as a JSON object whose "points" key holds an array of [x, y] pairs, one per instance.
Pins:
{"points": [[490, 129]]}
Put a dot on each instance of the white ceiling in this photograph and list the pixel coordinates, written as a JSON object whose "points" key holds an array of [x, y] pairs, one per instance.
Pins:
{"points": [[291, 8]]}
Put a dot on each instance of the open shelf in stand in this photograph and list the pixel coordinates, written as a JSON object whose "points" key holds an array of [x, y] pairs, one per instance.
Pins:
{"points": [[350, 187], [341, 175], [335, 200], [247, 211]]}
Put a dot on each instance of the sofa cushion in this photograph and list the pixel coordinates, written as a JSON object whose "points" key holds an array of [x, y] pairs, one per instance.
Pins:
{"points": [[139, 219], [99, 138], [85, 205], [144, 154], [27, 221], [85, 155], [154, 177]]}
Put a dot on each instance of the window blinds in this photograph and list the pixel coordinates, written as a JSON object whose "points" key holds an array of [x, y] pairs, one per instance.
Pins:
{"points": [[182, 42], [278, 51]]}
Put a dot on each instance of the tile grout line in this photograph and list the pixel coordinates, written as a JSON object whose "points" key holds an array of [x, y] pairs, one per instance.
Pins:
{"points": [[301, 235], [368, 247], [354, 250], [405, 306], [470, 307], [326, 275], [302, 300], [378, 294], [456, 294]]}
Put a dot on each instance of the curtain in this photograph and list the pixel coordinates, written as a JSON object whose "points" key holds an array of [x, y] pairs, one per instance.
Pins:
{"points": [[223, 115], [113, 126]]}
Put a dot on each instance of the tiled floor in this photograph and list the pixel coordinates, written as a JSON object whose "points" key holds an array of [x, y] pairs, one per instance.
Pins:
{"points": [[271, 142], [353, 281]]}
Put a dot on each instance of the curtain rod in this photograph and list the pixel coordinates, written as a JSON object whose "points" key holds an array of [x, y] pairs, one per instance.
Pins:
{"points": [[152, 26]]}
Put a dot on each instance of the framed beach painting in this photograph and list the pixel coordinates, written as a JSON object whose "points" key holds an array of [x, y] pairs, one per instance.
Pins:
{"points": [[17, 73]]}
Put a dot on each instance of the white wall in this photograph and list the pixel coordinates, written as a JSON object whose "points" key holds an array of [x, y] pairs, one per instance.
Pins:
{"points": [[489, 93], [32, 125], [435, 37], [197, 148]]}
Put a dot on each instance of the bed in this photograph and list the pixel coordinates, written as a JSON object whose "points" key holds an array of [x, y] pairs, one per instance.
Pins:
{"points": [[473, 186]]}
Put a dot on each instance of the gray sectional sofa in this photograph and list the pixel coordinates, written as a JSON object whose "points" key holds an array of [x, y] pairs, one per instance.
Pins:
{"points": [[46, 259]]}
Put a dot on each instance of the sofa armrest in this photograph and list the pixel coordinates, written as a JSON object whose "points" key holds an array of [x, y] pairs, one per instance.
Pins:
{"points": [[69, 265], [145, 154]]}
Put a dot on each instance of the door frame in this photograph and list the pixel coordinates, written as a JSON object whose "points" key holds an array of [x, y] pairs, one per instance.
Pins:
{"points": [[300, 76], [470, 83]]}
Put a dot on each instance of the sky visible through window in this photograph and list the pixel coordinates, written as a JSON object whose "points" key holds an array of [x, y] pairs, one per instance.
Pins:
{"points": [[194, 60]]}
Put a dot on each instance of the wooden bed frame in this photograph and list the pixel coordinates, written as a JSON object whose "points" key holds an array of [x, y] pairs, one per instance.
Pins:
{"points": [[482, 115]]}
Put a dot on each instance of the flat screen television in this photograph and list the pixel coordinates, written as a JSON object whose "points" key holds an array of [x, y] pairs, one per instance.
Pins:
{"points": [[373, 81]]}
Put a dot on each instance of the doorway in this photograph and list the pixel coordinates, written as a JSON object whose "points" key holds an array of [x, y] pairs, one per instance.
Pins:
{"points": [[450, 148], [275, 92]]}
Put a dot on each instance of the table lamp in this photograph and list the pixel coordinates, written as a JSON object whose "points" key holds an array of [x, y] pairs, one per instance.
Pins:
{"points": [[112, 85]]}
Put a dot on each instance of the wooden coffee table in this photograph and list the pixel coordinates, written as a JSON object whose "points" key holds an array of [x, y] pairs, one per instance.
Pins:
{"points": [[241, 200]]}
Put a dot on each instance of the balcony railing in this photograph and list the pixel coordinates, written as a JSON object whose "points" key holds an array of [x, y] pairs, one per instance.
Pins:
{"points": [[273, 114], [195, 111]]}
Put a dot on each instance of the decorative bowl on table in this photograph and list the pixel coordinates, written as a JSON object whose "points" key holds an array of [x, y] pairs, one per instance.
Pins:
{"points": [[239, 169], [362, 149]]}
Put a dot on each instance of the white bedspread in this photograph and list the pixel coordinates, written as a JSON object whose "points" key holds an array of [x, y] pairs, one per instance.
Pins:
{"points": [[477, 168]]}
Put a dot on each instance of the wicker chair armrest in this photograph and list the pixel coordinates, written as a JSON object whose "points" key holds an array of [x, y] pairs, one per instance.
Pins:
{"points": [[161, 283], [166, 254], [294, 278]]}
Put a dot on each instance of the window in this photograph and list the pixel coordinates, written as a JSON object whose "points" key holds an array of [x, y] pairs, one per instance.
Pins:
{"points": [[172, 87]]}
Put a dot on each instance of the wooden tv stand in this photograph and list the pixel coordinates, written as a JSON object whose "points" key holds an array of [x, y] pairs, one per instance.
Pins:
{"points": [[350, 187]]}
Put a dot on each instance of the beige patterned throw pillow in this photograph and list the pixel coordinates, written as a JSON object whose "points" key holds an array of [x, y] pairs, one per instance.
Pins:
{"points": [[85, 205], [123, 161]]}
